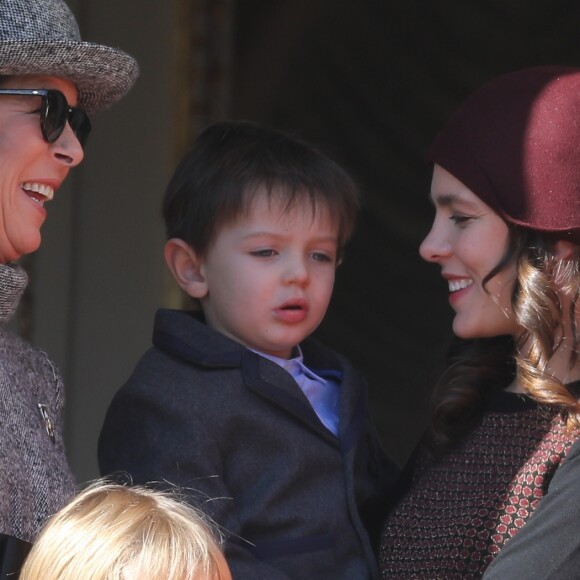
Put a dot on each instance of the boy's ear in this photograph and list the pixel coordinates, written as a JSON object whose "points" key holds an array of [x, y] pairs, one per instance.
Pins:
{"points": [[186, 267]]}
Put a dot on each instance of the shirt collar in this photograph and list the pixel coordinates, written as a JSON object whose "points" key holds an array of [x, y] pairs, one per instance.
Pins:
{"points": [[295, 365]]}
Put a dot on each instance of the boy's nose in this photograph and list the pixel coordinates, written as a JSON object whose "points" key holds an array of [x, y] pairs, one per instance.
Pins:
{"points": [[296, 272], [434, 247]]}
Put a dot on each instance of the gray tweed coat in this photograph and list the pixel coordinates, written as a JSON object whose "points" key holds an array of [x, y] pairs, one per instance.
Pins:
{"points": [[35, 480]]}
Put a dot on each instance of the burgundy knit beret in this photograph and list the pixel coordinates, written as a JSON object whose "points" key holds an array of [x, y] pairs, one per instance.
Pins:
{"points": [[515, 143]]}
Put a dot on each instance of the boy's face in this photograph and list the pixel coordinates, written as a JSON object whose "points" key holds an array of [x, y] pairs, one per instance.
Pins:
{"points": [[270, 275]]}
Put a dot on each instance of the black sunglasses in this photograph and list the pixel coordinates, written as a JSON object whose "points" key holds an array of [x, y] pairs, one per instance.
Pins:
{"points": [[55, 113]]}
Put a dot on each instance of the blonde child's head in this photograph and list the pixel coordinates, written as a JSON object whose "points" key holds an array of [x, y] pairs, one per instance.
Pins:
{"points": [[116, 532]]}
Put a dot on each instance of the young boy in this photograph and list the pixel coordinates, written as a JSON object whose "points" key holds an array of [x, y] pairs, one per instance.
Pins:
{"points": [[267, 430]]}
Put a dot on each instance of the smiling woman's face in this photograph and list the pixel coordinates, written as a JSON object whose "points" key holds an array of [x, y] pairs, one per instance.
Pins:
{"points": [[31, 169], [468, 240]]}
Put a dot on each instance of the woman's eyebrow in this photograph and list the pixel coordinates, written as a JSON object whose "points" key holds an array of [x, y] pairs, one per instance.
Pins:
{"points": [[452, 199]]}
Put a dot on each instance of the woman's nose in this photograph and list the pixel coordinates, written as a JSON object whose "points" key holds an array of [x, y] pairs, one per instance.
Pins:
{"points": [[435, 246], [67, 148]]}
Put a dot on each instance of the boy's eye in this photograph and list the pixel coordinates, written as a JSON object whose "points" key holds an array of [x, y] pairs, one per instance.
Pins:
{"points": [[321, 257], [265, 253]]}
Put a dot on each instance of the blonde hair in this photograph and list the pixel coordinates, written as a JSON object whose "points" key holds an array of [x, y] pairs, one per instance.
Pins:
{"points": [[116, 532]]}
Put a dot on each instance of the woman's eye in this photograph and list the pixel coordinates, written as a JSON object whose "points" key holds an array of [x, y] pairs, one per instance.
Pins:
{"points": [[460, 219]]}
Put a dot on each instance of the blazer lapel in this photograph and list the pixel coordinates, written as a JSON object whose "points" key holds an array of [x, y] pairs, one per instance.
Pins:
{"points": [[268, 380]]}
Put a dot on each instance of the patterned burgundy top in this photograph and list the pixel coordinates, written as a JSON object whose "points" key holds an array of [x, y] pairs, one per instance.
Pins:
{"points": [[462, 509]]}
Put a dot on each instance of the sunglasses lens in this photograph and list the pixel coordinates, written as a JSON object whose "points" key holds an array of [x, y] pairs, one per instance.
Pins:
{"points": [[54, 115], [80, 124]]}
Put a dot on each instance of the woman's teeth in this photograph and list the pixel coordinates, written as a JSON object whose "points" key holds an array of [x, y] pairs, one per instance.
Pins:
{"points": [[45, 192], [455, 285]]}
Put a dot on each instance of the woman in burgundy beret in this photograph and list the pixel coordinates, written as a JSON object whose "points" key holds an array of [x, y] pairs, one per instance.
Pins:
{"points": [[494, 486]]}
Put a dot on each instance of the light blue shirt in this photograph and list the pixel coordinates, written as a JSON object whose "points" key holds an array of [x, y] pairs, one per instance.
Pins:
{"points": [[321, 393]]}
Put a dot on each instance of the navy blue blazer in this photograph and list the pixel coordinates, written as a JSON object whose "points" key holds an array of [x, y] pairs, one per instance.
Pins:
{"points": [[235, 431]]}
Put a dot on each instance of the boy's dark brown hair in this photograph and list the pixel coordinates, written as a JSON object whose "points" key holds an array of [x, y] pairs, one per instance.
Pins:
{"points": [[233, 161]]}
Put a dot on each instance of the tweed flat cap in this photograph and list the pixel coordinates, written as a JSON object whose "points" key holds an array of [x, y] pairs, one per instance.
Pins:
{"points": [[515, 143], [41, 37]]}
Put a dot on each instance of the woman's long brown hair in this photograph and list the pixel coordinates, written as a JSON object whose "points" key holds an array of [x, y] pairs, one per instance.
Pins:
{"points": [[546, 291]]}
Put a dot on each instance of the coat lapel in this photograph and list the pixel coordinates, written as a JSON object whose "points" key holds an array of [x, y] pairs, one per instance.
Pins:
{"points": [[271, 382], [184, 335]]}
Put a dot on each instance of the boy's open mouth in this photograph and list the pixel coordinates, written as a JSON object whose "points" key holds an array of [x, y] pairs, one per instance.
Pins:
{"points": [[294, 305]]}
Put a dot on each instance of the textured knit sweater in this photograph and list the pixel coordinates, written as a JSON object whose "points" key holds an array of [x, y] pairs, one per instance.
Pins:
{"points": [[35, 480], [461, 510]]}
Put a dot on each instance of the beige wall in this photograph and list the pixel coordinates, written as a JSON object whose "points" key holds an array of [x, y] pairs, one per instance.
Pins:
{"points": [[99, 275]]}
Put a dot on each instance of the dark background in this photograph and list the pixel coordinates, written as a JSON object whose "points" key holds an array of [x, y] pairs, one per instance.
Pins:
{"points": [[371, 83]]}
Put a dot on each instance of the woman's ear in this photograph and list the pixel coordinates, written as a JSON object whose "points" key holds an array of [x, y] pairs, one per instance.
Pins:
{"points": [[564, 250], [186, 267]]}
